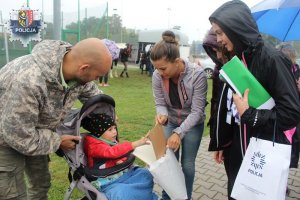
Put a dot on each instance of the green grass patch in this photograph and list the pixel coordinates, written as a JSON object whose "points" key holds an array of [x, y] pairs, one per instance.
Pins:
{"points": [[135, 110]]}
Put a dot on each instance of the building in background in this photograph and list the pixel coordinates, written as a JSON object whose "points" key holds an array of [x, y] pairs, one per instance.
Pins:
{"points": [[147, 38]]}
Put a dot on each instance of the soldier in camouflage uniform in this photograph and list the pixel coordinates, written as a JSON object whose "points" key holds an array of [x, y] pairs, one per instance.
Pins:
{"points": [[36, 91]]}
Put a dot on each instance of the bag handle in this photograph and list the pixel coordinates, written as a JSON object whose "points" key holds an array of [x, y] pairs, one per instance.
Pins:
{"points": [[275, 127], [274, 130]]}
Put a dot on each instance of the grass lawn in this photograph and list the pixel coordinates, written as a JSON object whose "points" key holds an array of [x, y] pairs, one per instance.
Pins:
{"points": [[135, 110]]}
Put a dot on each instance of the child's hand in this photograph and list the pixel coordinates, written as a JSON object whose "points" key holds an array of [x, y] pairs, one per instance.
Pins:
{"points": [[140, 142]]}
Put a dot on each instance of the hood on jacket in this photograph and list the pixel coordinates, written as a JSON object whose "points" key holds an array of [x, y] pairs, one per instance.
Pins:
{"points": [[50, 54], [235, 19], [210, 42]]}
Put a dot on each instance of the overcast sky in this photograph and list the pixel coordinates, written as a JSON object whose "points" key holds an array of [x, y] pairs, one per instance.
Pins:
{"points": [[191, 15]]}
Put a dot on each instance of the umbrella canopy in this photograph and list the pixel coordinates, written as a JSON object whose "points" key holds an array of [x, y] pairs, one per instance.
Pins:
{"points": [[279, 18], [121, 45], [113, 48]]}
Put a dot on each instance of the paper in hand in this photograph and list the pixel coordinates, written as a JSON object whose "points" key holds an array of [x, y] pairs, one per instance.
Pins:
{"points": [[156, 149]]}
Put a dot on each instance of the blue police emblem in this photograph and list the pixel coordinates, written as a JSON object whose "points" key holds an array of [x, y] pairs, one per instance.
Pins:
{"points": [[25, 25]]}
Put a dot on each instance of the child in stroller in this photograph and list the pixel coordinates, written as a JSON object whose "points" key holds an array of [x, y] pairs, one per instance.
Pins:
{"points": [[103, 151], [103, 167]]}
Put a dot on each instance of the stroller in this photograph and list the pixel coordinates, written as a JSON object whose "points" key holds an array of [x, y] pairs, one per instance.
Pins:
{"points": [[80, 175]]}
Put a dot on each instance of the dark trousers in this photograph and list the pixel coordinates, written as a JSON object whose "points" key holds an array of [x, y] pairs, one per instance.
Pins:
{"points": [[232, 160], [105, 77], [232, 166]]}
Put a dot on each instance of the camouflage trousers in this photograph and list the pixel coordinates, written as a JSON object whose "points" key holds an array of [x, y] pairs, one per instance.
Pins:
{"points": [[14, 166]]}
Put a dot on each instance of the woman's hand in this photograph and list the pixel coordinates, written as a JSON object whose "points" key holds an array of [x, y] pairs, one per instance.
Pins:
{"points": [[174, 142], [241, 102], [218, 157], [161, 119]]}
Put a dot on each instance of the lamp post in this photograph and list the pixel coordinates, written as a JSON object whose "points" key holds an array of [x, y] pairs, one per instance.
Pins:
{"points": [[5, 37], [169, 11], [121, 31], [57, 19]]}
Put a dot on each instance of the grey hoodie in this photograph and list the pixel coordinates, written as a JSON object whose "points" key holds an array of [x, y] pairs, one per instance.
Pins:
{"points": [[192, 90]]}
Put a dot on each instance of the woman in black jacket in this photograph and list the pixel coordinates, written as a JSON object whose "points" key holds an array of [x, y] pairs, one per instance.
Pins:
{"points": [[124, 55], [237, 31], [221, 130]]}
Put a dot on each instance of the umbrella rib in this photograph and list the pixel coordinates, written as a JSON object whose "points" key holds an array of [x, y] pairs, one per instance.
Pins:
{"points": [[291, 25]]}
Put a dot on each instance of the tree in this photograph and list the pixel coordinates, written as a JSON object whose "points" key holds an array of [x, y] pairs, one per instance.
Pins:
{"points": [[96, 27]]}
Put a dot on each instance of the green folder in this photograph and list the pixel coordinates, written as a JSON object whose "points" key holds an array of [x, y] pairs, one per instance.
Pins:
{"points": [[240, 78]]}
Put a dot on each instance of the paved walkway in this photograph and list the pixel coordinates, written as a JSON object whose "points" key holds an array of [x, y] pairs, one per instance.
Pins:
{"points": [[210, 181]]}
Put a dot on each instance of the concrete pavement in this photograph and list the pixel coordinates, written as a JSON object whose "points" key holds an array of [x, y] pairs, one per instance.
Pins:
{"points": [[211, 181]]}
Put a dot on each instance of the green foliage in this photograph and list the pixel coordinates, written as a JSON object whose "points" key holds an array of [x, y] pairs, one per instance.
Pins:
{"points": [[97, 27], [135, 110]]}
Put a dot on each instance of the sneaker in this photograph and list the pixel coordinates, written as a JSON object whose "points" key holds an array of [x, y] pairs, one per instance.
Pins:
{"points": [[105, 85]]}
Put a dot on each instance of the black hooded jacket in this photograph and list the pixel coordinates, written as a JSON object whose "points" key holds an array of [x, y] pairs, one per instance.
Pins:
{"points": [[270, 68], [220, 131]]}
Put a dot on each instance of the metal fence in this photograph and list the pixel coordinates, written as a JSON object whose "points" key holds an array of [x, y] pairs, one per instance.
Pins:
{"points": [[69, 29]]}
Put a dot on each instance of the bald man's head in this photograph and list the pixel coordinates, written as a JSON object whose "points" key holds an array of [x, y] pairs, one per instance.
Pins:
{"points": [[90, 59], [92, 51]]}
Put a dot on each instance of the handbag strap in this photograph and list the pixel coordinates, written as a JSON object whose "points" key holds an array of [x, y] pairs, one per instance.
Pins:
{"points": [[274, 130], [275, 127], [245, 128]]}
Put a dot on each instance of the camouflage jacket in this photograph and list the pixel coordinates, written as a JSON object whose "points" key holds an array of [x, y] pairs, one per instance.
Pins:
{"points": [[33, 102]]}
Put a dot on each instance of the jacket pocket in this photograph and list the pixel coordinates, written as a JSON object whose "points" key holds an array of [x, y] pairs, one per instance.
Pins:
{"points": [[8, 183]]}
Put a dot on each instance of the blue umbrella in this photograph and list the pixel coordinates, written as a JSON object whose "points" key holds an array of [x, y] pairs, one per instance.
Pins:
{"points": [[278, 18]]}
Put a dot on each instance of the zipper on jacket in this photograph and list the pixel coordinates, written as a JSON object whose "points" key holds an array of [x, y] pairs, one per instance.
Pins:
{"points": [[218, 115], [67, 91], [241, 139]]}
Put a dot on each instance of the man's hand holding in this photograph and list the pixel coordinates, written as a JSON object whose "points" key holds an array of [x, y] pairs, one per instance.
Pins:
{"points": [[68, 142]]}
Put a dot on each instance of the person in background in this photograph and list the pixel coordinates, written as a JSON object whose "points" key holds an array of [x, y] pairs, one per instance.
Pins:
{"points": [[149, 66], [114, 70], [237, 31], [288, 50], [36, 92], [103, 80], [143, 61], [103, 151], [124, 55], [221, 130], [179, 90]]}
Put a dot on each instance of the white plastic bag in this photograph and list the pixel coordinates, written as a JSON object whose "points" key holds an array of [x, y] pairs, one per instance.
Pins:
{"points": [[264, 171], [168, 174]]}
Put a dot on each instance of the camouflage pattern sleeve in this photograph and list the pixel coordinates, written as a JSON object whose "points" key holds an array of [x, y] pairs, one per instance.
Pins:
{"points": [[20, 128]]}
